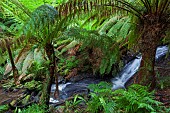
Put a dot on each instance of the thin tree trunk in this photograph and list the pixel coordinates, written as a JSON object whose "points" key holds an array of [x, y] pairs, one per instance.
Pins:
{"points": [[14, 69], [56, 93], [49, 78]]}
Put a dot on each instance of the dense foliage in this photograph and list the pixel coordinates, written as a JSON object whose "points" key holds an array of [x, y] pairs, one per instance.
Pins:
{"points": [[136, 99], [44, 39]]}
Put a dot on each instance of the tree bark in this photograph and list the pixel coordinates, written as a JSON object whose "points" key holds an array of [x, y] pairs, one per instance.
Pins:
{"points": [[150, 39], [146, 75]]}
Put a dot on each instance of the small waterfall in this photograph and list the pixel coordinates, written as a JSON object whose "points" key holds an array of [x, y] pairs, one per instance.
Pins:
{"points": [[60, 87], [132, 67], [128, 71], [161, 51]]}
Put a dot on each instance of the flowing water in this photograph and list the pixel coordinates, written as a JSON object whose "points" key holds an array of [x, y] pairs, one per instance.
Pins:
{"points": [[132, 67], [70, 88]]}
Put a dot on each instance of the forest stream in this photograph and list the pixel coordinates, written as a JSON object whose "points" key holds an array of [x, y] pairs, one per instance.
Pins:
{"points": [[80, 85]]}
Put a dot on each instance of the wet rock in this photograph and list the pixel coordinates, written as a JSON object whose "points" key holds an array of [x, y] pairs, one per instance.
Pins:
{"points": [[73, 89], [69, 89], [82, 76], [61, 79]]}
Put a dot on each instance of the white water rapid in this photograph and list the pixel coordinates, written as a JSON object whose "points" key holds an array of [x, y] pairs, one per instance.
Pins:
{"points": [[132, 67]]}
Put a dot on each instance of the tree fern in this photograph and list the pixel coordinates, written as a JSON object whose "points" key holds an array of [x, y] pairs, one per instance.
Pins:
{"points": [[40, 22], [108, 46], [151, 15]]}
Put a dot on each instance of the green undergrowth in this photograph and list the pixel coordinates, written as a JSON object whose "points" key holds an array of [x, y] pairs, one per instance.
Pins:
{"points": [[164, 82], [3, 108], [1, 72], [136, 99], [33, 85], [65, 65], [77, 105], [34, 108]]}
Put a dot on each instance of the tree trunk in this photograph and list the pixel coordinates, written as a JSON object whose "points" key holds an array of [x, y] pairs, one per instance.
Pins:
{"points": [[146, 75], [56, 93], [14, 69], [150, 39], [49, 78]]}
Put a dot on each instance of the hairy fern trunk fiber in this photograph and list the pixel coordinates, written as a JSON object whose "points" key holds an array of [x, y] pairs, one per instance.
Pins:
{"points": [[14, 69], [152, 33], [49, 78]]}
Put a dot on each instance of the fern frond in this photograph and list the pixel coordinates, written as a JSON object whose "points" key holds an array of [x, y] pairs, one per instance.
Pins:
{"points": [[92, 39], [108, 25], [136, 98], [21, 6], [13, 17], [40, 22]]}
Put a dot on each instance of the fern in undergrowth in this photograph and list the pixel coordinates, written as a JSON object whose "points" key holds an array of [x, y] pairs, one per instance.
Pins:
{"points": [[101, 98], [136, 99], [110, 38], [124, 30], [34, 108]]}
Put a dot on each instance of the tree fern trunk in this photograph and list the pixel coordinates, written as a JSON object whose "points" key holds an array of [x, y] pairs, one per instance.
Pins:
{"points": [[146, 75], [14, 69], [49, 78], [150, 39]]}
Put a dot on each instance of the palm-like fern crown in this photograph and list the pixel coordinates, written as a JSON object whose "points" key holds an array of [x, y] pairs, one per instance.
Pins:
{"points": [[137, 7], [46, 22], [40, 23], [143, 11]]}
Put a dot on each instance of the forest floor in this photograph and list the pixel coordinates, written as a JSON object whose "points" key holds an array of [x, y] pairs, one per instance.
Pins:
{"points": [[162, 69], [162, 93]]}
